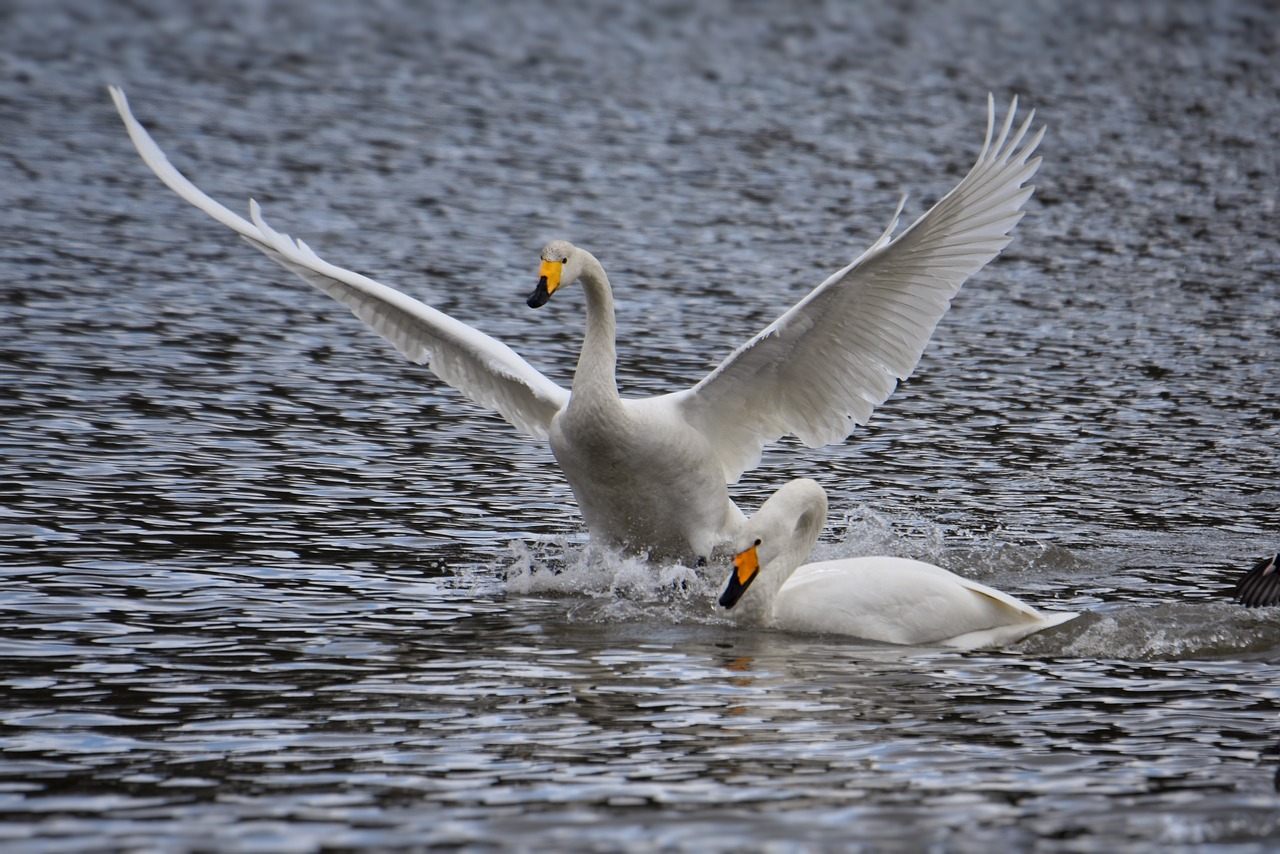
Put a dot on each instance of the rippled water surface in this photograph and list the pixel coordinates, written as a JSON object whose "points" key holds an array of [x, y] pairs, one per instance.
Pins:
{"points": [[267, 587]]}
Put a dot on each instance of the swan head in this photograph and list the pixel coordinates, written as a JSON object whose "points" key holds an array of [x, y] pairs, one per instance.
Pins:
{"points": [[746, 566], [561, 265], [776, 540], [1261, 585]]}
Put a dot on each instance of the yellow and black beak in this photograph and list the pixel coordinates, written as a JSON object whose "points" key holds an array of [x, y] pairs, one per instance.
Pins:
{"points": [[746, 566], [548, 283]]}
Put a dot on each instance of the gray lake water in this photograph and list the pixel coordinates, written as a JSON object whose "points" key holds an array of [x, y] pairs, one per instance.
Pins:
{"points": [[265, 586]]}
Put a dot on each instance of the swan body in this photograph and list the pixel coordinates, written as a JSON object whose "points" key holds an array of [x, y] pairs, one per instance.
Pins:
{"points": [[643, 476], [651, 475], [887, 599]]}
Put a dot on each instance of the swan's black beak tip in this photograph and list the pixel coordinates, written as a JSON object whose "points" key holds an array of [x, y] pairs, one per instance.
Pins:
{"points": [[734, 589], [539, 297]]}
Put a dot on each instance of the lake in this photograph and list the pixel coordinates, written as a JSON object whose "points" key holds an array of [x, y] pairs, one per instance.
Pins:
{"points": [[268, 587]]}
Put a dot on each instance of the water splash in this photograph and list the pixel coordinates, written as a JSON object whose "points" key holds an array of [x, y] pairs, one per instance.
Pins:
{"points": [[1171, 631], [608, 586], [602, 585], [598, 585]]}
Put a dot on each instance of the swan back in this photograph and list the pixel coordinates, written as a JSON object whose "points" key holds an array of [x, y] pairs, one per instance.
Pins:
{"points": [[899, 600]]}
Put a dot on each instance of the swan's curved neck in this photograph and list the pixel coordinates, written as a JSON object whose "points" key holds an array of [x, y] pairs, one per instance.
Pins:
{"points": [[595, 379], [788, 525]]}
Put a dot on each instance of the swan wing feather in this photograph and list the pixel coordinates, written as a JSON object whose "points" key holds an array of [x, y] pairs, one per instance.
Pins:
{"points": [[820, 369], [484, 369]]}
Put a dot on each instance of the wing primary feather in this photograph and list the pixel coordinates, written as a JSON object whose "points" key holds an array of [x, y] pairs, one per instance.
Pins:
{"points": [[991, 124], [1008, 123]]}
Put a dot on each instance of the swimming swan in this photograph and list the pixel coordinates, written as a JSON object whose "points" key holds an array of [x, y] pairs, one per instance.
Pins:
{"points": [[651, 475], [888, 599]]}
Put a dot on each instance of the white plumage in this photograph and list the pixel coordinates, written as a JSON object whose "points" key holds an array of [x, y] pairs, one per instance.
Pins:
{"points": [[888, 599], [651, 475]]}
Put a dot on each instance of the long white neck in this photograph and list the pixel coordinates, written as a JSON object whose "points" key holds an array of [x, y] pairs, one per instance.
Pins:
{"points": [[595, 381], [788, 526]]}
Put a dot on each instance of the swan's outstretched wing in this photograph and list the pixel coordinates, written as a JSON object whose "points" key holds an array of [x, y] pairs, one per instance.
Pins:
{"points": [[821, 368], [484, 369]]}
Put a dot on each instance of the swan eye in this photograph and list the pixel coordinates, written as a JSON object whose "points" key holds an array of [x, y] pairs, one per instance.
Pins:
{"points": [[564, 260], [758, 542]]}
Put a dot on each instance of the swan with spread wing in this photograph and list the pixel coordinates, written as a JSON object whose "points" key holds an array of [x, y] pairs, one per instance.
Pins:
{"points": [[651, 475]]}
